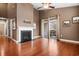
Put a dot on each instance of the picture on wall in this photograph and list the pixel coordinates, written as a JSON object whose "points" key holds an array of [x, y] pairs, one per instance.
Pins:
{"points": [[66, 23], [75, 19]]}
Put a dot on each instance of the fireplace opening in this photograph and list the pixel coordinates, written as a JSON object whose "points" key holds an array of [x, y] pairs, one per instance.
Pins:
{"points": [[26, 36]]}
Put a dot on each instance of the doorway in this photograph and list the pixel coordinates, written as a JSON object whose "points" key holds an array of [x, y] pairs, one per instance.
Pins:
{"points": [[53, 28], [49, 28], [3, 27], [45, 30]]}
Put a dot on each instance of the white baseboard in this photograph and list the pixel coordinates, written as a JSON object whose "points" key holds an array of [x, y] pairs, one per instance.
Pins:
{"points": [[35, 37], [12, 39], [70, 41], [16, 41]]}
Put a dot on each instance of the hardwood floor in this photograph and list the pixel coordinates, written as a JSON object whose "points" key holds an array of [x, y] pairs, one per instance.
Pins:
{"points": [[38, 47]]}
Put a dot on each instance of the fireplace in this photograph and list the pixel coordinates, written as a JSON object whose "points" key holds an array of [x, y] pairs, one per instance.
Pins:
{"points": [[24, 34]]}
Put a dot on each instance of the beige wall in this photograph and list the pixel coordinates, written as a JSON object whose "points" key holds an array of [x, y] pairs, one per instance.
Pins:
{"points": [[2, 29], [64, 14], [11, 10], [3, 9], [36, 20], [24, 12], [21, 11]]}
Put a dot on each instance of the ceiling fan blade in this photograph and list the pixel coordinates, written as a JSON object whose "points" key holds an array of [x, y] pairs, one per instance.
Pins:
{"points": [[51, 7], [39, 7]]}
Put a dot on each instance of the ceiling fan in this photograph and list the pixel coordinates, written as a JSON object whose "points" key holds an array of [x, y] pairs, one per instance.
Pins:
{"points": [[46, 6]]}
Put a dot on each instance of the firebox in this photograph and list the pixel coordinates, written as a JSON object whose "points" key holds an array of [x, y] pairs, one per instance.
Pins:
{"points": [[26, 35]]}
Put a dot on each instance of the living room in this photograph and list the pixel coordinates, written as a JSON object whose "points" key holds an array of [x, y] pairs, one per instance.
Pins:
{"points": [[39, 29]]}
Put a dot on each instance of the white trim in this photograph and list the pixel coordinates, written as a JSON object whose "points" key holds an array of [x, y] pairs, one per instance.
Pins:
{"points": [[6, 26], [70, 41], [12, 39], [58, 28], [11, 28], [35, 37], [3, 18]]}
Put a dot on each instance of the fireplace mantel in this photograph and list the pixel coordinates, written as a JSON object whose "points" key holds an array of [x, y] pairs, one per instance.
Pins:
{"points": [[21, 28]]}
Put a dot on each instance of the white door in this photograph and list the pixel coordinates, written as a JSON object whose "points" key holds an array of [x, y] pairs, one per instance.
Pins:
{"points": [[53, 29], [45, 30]]}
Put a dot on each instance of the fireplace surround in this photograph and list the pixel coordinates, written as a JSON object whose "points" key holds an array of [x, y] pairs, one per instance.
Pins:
{"points": [[24, 34]]}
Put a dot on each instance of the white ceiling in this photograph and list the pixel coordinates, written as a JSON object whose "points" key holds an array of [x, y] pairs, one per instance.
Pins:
{"points": [[56, 5]]}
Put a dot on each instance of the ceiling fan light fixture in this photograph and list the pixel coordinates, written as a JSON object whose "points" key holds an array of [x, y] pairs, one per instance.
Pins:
{"points": [[45, 5]]}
